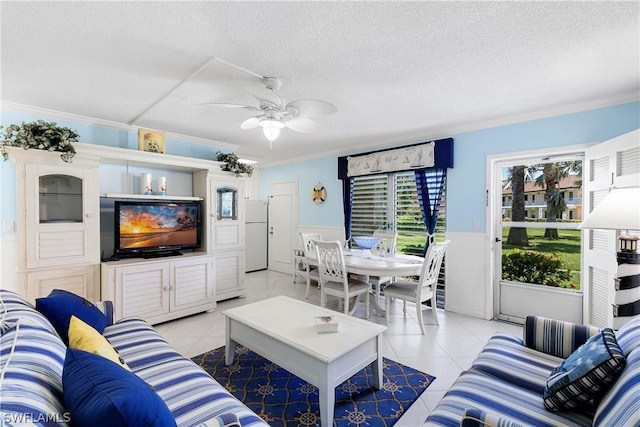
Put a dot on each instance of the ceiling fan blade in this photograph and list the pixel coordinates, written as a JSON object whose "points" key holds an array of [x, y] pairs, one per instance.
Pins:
{"points": [[226, 105], [301, 124], [311, 107], [250, 123]]}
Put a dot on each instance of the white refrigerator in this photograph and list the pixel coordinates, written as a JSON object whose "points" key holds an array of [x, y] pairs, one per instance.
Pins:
{"points": [[255, 242]]}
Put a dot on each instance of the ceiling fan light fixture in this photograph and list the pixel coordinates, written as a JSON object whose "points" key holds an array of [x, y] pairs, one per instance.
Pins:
{"points": [[271, 128]]}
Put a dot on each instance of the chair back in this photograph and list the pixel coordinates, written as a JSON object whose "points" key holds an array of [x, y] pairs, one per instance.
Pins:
{"points": [[387, 243], [307, 242], [431, 267], [330, 259]]}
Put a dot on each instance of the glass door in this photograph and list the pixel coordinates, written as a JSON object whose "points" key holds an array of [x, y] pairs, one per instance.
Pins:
{"points": [[537, 243]]}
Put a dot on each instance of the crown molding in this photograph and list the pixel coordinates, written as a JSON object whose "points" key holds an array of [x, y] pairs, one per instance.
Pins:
{"points": [[92, 121], [427, 134]]}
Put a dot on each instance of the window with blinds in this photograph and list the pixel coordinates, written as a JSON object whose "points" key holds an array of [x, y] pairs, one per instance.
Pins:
{"points": [[383, 202], [370, 209]]}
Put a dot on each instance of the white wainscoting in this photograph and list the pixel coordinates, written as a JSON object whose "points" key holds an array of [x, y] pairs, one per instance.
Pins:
{"points": [[466, 290], [8, 262], [327, 233]]}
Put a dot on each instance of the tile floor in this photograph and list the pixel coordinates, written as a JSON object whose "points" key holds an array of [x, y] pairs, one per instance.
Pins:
{"points": [[444, 351]]}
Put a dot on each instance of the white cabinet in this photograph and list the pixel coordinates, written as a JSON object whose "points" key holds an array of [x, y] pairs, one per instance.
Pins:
{"points": [[224, 229], [62, 214], [229, 274], [81, 280], [57, 223], [162, 289]]}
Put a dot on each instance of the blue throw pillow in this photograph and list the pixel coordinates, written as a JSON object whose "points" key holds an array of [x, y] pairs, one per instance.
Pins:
{"points": [[586, 373], [60, 305], [96, 391]]}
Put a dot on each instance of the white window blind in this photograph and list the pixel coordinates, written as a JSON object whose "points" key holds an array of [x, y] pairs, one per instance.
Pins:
{"points": [[382, 202], [370, 209]]}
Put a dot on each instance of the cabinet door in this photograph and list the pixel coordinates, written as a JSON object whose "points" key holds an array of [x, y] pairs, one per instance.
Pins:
{"points": [[192, 283], [227, 211], [142, 290], [61, 215], [229, 274], [83, 281]]}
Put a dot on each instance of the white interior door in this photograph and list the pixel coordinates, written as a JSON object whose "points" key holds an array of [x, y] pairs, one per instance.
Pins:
{"points": [[613, 163], [283, 223]]}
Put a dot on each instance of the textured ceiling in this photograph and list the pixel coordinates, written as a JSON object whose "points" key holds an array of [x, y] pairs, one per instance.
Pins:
{"points": [[396, 71]]}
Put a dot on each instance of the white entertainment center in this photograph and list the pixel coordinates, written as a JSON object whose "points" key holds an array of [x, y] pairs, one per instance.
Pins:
{"points": [[65, 231]]}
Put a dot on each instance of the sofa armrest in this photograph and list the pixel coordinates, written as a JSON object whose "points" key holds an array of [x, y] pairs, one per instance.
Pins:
{"points": [[106, 307], [555, 337], [474, 417]]}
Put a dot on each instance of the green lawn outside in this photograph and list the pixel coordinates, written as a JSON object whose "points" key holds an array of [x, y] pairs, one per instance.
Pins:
{"points": [[567, 248]]}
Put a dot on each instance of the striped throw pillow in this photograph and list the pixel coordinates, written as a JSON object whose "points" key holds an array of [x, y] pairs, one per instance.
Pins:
{"points": [[586, 373]]}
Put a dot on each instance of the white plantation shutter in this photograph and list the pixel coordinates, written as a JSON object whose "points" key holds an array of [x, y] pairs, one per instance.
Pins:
{"points": [[612, 163], [370, 210]]}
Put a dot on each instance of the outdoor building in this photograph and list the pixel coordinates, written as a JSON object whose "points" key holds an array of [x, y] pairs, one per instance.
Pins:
{"points": [[536, 205]]}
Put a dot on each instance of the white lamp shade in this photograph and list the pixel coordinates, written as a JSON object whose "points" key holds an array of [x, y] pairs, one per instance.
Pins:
{"points": [[619, 210]]}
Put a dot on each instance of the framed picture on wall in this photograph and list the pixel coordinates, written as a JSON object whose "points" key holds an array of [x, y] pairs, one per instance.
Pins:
{"points": [[152, 141]]}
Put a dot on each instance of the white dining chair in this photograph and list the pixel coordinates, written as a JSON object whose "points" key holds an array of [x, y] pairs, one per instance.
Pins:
{"points": [[421, 291], [334, 280], [387, 243], [386, 246], [311, 271]]}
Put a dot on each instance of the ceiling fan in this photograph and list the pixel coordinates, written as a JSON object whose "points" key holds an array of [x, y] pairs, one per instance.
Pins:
{"points": [[275, 114]]}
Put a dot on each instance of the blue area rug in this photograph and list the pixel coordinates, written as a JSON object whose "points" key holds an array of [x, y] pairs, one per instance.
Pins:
{"points": [[282, 399]]}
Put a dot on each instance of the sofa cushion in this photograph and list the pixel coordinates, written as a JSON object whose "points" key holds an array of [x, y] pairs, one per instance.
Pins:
{"points": [[517, 405], [555, 337], [13, 307], [620, 406], [504, 356], [628, 336], [586, 373], [31, 357], [96, 389], [84, 337], [474, 417], [60, 305], [191, 394]]}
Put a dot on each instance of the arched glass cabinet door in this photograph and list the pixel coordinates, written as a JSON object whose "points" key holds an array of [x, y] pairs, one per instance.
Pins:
{"points": [[227, 203], [60, 199]]}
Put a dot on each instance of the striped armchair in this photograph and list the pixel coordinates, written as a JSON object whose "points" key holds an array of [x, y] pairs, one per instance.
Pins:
{"points": [[505, 385]]}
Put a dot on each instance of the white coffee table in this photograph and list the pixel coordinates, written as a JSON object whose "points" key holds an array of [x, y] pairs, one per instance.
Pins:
{"points": [[282, 330]]}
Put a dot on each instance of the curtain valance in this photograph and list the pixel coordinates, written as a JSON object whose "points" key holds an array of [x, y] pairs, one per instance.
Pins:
{"points": [[423, 155]]}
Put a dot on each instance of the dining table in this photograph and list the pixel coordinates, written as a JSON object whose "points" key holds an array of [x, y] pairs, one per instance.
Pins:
{"points": [[371, 264]]}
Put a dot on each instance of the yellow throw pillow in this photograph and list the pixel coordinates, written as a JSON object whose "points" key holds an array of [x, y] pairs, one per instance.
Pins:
{"points": [[84, 337]]}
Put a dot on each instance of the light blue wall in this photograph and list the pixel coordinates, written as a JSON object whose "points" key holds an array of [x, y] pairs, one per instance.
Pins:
{"points": [[466, 192], [308, 174]]}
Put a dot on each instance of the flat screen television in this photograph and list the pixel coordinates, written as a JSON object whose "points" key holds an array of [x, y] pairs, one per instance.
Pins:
{"points": [[151, 228]]}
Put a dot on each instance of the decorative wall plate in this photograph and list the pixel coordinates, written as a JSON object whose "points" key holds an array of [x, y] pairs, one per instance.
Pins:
{"points": [[318, 194]]}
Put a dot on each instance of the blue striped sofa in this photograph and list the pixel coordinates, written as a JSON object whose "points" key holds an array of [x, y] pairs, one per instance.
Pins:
{"points": [[504, 386], [32, 359]]}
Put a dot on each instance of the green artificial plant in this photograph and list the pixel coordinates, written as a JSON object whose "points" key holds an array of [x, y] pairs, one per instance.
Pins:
{"points": [[232, 164], [40, 135]]}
